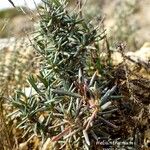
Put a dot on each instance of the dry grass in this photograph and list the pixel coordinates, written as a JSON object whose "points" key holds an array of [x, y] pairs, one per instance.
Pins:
{"points": [[16, 63]]}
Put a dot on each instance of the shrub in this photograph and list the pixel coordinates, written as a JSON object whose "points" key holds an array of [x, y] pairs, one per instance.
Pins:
{"points": [[74, 89]]}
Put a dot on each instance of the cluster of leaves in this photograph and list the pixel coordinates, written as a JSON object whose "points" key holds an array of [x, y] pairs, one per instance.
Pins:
{"points": [[64, 40], [69, 105]]}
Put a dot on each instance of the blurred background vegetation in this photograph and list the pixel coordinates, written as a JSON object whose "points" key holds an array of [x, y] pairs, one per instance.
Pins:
{"points": [[13, 22]]}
